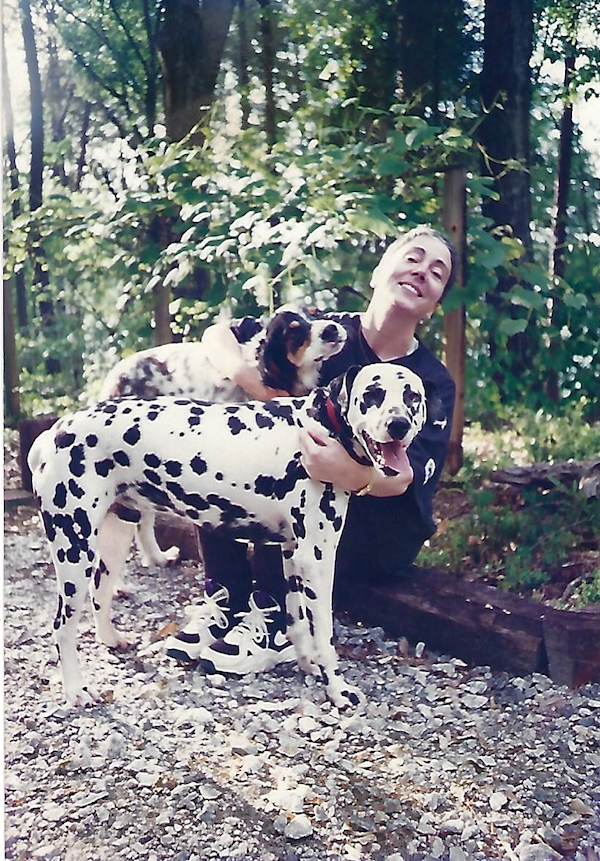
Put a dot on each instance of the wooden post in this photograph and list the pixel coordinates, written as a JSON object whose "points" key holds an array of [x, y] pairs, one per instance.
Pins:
{"points": [[454, 220]]}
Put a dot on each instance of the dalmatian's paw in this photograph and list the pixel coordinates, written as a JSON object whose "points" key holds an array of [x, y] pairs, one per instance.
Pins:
{"points": [[109, 636], [83, 695], [161, 558], [344, 696]]}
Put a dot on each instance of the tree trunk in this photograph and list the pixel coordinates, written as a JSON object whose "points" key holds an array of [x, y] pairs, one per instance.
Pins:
{"points": [[12, 402], [504, 135], [561, 202], [267, 63], [506, 95], [242, 64], [11, 152], [454, 219], [37, 107], [190, 41]]}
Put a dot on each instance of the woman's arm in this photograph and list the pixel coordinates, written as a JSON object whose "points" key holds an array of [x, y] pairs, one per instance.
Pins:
{"points": [[225, 354], [325, 459]]}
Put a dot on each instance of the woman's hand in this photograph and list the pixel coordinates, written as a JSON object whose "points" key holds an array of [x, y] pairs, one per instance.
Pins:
{"points": [[325, 459], [248, 378]]}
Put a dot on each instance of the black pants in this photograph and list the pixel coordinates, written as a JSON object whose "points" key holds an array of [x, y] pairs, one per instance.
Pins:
{"points": [[377, 544]]}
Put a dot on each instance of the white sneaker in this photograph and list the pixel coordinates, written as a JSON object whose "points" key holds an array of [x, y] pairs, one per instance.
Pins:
{"points": [[255, 644], [207, 621]]}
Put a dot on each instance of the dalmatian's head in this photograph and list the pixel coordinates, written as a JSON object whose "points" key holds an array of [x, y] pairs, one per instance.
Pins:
{"points": [[384, 406]]}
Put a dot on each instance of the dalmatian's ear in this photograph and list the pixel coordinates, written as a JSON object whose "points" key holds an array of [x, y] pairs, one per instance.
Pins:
{"points": [[339, 388]]}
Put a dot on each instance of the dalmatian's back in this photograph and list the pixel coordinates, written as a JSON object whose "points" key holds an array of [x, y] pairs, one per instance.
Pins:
{"points": [[175, 370]]}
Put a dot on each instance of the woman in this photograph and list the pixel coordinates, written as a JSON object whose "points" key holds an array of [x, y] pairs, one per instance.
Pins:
{"points": [[237, 631]]}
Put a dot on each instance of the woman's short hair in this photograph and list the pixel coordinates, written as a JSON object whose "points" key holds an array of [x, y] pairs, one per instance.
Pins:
{"points": [[424, 230]]}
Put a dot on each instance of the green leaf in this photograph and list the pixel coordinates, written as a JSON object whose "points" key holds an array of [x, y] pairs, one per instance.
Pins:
{"points": [[371, 221], [512, 327]]}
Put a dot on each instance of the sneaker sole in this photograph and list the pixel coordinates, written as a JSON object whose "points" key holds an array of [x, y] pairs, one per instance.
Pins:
{"points": [[267, 663], [180, 656]]}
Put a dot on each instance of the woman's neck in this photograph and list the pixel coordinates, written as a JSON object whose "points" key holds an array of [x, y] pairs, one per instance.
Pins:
{"points": [[389, 337]]}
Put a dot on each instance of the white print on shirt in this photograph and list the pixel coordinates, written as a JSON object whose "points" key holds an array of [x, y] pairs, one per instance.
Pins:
{"points": [[441, 424], [429, 470]]}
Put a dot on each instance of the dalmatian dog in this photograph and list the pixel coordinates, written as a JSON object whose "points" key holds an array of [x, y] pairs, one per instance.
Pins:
{"points": [[232, 468], [288, 352]]}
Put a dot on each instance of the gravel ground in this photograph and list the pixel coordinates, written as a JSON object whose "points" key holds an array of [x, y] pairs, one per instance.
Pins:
{"points": [[447, 762]]}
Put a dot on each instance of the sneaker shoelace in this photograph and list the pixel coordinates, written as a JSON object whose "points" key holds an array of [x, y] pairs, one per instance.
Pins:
{"points": [[253, 626], [209, 611]]}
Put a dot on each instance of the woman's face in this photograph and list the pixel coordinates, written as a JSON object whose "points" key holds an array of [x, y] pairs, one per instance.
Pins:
{"points": [[413, 275]]}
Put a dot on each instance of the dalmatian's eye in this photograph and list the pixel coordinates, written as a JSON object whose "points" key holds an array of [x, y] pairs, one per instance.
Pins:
{"points": [[411, 399], [373, 397]]}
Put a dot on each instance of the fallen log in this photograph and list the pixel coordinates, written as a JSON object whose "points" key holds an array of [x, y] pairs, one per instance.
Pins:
{"points": [[548, 475], [480, 624]]}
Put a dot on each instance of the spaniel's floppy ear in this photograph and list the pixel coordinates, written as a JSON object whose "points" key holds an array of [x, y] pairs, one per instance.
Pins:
{"points": [[339, 388], [436, 411]]}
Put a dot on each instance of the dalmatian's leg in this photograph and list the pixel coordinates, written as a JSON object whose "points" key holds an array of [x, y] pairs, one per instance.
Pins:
{"points": [[296, 621], [148, 545], [314, 569], [114, 542], [73, 546]]}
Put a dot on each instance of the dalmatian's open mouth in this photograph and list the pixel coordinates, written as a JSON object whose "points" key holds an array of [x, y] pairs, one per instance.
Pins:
{"points": [[389, 455]]}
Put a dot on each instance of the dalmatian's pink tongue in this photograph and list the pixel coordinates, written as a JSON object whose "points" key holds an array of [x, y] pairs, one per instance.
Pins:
{"points": [[394, 455]]}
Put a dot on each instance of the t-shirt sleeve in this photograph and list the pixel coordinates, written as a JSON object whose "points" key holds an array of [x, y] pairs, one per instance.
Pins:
{"points": [[246, 328]]}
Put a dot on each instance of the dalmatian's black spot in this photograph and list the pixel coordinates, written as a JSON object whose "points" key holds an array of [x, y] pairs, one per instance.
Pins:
{"points": [[230, 510], [70, 589], [60, 495], [103, 467], [281, 411], [77, 461], [173, 468], [298, 523], [318, 552], [194, 500], [64, 439], [152, 476], [154, 494], [236, 426], [263, 421], [310, 593], [279, 488], [91, 440], [199, 466], [219, 476], [76, 489], [152, 460], [132, 435], [328, 508]]}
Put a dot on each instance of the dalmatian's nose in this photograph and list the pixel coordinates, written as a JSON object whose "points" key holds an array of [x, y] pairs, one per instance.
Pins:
{"points": [[398, 428]]}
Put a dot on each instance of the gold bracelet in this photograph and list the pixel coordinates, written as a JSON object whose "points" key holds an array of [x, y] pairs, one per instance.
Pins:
{"points": [[368, 486]]}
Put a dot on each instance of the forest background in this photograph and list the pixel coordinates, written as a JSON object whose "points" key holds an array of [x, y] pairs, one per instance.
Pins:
{"points": [[171, 163]]}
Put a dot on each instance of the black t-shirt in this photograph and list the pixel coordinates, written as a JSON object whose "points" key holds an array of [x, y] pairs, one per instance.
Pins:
{"points": [[397, 526]]}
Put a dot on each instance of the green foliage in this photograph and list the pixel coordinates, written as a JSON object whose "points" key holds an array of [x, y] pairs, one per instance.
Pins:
{"points": [[518, 540]]}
